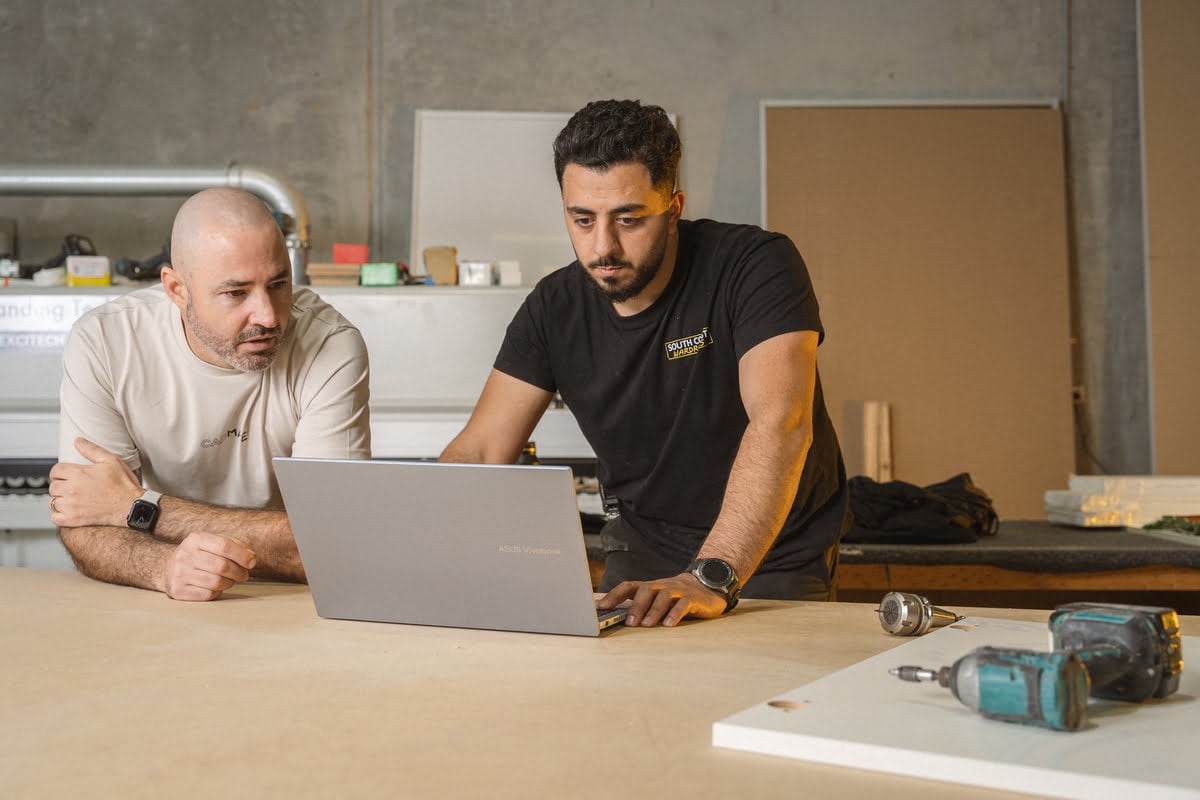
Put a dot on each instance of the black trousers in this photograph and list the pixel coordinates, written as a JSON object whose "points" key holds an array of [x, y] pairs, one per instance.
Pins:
{"points": [[627, 557]]}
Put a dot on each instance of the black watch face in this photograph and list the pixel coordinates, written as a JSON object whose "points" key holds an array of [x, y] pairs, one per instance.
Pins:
{"points": [[715, 573], [142, 515]]}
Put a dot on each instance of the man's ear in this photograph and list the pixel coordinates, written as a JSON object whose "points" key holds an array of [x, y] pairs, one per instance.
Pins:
{"points": [[174, 286], [675, 210]]}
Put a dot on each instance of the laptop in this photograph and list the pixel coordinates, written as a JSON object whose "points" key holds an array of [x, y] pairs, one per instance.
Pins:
{"points": [[497, 547]]}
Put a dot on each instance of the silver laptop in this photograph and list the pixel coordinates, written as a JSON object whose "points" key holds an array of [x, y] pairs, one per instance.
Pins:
{"points": [[460, 545]]}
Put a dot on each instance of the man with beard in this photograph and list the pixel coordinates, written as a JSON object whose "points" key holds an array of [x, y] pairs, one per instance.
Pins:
{"points": [[687, 352], [175, 398]]}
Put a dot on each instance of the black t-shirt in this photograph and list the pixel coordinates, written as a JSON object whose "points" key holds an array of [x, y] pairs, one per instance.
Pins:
{"points": [[656, 394]]}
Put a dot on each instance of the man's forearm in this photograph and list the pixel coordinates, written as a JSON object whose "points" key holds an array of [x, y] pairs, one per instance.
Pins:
{"points": [[471, 448], [760, 492], [502, 421], [267, 533], [460, 451], [99, 495], [118, 555]]}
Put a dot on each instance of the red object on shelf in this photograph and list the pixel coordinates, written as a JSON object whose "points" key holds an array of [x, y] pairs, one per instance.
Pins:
{"points": [[350, 253]]}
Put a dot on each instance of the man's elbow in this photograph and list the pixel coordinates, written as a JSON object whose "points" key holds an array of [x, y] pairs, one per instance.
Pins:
{"points": [[791, 425], [290, 570], [799, 438], [74, 541], [70, 540], [801, 431], [466, 448], [790, 436], [279, 559]]}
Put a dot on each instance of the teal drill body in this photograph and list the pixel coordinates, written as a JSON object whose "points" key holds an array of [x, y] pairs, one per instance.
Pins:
{"points": [[1047, 689], [1025, 686]]}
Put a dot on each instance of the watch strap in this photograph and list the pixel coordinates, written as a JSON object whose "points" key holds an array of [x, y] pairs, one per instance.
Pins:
{"points": [[151, 496]]}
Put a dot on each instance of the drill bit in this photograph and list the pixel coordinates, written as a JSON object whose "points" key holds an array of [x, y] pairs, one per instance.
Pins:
{"points": [[918, 674]]}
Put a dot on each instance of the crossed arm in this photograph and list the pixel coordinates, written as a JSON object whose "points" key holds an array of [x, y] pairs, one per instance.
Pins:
{"points": [[776, 379], [197, 551]]}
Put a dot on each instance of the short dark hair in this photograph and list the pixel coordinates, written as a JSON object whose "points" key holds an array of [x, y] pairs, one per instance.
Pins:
{"points": [[605, 133]]}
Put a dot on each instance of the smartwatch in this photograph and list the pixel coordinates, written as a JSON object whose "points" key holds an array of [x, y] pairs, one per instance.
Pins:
{"points": [[144, 513], [717, 574]]}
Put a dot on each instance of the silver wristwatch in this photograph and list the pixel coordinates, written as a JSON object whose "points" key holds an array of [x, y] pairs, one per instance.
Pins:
{"points": [[717, 574]]}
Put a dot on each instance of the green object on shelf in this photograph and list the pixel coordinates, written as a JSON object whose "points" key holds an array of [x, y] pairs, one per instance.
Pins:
{"points": [[1175, 524], [378, 274]]}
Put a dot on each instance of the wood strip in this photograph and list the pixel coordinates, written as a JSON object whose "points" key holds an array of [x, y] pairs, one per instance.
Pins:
{"points": [[908, 577]]}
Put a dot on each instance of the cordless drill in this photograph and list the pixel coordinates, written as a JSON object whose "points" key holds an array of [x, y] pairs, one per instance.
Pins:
{"points": [[1046, 689], [1107, 650]]}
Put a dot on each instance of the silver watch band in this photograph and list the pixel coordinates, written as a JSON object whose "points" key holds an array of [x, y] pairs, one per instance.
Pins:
{"points": [[151, 496]]}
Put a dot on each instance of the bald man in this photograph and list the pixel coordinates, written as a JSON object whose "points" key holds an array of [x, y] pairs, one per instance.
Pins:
{"points": [[175, 398]]}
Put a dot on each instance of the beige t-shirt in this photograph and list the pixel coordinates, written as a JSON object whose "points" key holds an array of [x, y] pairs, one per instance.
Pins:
{"points": [[194, 430]]}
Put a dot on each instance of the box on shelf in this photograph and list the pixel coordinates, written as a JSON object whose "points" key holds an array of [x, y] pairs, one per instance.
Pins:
{"points": [[441, 264], [88, 271], [379, 274], [1132, 501], [510, 272], [333, 274], [477, 273], [346, 253]]}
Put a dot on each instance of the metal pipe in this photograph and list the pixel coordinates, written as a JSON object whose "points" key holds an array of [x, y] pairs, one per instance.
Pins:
{"points": [[276, 191]]}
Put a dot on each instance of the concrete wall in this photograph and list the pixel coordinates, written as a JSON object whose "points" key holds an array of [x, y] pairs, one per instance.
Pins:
{"points": [[324, 93]]}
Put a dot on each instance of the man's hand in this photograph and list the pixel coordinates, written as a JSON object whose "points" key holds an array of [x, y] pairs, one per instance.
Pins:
{"points": [[204, 564], [96, 494], [666, 601]]}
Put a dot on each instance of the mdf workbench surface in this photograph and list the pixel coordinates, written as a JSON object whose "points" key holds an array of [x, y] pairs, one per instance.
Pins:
{"points": [[118, 692], [1032, 564]]}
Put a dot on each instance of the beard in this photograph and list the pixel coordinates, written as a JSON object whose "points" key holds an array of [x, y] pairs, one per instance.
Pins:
{"points": [[620, 288], [226, 349]]}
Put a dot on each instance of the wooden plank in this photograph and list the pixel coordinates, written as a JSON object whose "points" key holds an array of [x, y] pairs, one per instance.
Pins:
{"points": [[909, 577], [1171, 126]]}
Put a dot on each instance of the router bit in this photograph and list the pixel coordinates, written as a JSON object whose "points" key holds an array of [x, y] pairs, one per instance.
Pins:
{"points": [[907, 614]]}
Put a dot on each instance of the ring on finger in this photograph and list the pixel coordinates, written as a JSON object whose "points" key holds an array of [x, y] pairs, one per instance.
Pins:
{"points": [[53, 510]]}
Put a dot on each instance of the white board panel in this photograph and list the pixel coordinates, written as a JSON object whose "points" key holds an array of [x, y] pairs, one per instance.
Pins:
{"points": [[484, 183], [430, 346], [864, 718]]}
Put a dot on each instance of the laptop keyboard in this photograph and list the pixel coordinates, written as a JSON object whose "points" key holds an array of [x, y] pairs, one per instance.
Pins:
{"points": [[611, 616]]}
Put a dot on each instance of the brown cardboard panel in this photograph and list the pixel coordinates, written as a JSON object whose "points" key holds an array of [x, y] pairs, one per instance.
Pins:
{"points": [[1171, 97], [937, 242]]}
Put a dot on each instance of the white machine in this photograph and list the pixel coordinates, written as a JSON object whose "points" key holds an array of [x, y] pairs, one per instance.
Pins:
{"points": [[431, 348]]}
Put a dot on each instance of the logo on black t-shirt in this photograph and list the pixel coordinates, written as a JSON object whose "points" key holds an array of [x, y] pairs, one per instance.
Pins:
{"points": [[688, 345]]}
